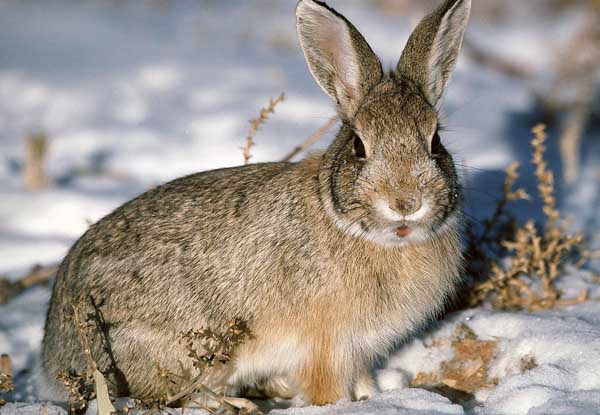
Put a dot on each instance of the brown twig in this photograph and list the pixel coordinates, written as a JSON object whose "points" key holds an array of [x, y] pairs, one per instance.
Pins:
{"points": [[256, 123], [312, 139], [37, 276]]}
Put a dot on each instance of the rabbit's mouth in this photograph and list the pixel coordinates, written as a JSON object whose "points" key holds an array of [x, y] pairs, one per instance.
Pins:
{"points": [[403, 231], [388, 227]]}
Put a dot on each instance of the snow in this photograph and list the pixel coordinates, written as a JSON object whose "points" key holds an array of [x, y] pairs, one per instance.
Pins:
{"points": [[132, 95]]}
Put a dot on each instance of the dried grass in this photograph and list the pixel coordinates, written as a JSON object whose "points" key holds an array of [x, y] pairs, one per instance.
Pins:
{"points": [[210, 352], [527, 363], [6, 384], [80, 388], [467, 371], [535, 254], [83, 387], [256, 123]]}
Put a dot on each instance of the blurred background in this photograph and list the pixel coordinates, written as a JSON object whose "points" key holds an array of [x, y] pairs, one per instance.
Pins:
{"points": [[101, 100]]}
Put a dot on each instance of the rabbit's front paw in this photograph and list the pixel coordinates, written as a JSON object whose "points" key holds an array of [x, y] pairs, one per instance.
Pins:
{"points": [[364, 388]]}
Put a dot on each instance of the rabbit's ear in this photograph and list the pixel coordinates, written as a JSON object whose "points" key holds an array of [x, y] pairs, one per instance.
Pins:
{"points": [[338, 57], [432, 50]]}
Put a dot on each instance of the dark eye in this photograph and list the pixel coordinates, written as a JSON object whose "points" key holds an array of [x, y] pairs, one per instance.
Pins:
{"points": [[359, 148], [436, 145]]}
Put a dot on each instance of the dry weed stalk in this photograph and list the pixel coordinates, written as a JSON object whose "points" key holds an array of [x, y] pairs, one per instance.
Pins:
{"points": [[83, 387], [37, 276], [34, 173], [534, 253], [210, 352], [312, 139], [468, 370], [79, 387], [483, 245], [6, 385], [256, 123]]}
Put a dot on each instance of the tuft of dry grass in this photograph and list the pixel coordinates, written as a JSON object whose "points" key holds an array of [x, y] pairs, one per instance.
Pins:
{"points": [[210, 351], [256, 123], [527, 363], [83, 387], [215, 347], [6, 385], [468, 371], [483, 244], [535, 254], [80, 388]]}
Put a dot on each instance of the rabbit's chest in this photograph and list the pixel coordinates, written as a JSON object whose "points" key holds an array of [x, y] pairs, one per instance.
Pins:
{"points": [[395, 304]]}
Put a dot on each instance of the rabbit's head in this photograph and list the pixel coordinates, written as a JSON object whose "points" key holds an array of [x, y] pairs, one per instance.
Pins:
{"points": [[388, 178]]}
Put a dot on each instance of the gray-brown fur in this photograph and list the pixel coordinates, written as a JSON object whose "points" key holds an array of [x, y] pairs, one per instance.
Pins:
{"points": [[292, 248]]}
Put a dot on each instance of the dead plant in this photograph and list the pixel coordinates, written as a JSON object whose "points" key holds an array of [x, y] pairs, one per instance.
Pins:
{"points": [[312, 139], [80, 388], [483, 242], [83, 387], [536, 254], [6, 385], [34, 172], [467, 371], [256, 123], [210, 351]]}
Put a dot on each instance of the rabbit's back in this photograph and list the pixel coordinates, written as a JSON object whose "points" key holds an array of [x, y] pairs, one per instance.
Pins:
{"points": [[184, 255]]}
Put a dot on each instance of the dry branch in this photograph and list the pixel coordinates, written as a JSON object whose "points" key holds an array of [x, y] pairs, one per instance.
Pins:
{"points": [[256, 123], [37, 276], [312, 139]]}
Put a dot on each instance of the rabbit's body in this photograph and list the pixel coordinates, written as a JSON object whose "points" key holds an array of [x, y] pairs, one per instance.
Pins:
{"points": [[330, 261], [316, 299]]}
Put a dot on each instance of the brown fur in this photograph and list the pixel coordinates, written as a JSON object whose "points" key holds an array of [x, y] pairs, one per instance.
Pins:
{"points": [[301, 251]]}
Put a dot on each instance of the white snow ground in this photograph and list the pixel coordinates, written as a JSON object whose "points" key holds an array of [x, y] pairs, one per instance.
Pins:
{"points": [[132, 95]]}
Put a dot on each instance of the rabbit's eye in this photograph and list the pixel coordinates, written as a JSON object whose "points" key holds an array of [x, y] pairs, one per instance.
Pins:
{"points": [[359, 148], [436, 145]]}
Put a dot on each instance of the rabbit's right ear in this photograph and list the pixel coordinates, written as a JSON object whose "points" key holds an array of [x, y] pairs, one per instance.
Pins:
{"points": [[338, 56]]}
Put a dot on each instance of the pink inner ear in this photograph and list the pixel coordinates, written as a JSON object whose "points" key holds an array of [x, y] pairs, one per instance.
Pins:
{"points": [[330, 38]]}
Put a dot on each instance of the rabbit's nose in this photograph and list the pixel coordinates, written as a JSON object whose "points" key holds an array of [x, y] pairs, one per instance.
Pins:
{"points": [[409, 203]]}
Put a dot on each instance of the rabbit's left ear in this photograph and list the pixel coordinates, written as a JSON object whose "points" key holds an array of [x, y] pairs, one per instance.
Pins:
{"points": [[338, 56], [432, 50]]}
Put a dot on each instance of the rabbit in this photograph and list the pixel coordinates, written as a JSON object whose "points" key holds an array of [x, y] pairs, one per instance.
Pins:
{"points": [[331, 261]]}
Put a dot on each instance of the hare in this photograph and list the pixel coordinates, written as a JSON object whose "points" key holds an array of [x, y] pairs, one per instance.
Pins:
{"points": [[330, 261]]}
